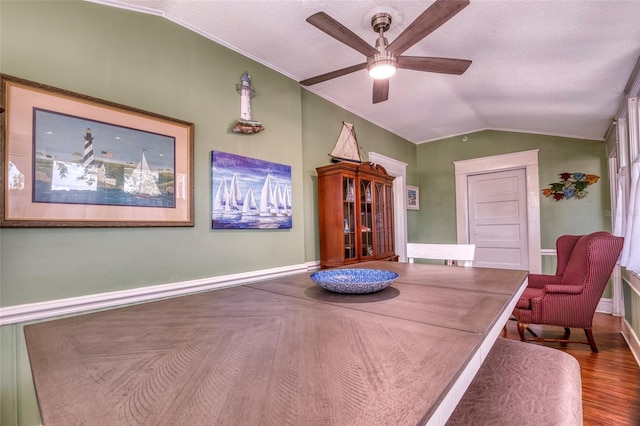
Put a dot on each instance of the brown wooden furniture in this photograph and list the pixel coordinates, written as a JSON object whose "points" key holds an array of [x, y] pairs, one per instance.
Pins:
{"points": [[277, 352], [355, 214]]}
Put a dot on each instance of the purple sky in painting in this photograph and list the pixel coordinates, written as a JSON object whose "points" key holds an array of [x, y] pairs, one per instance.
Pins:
{"points": [[251, 172]]}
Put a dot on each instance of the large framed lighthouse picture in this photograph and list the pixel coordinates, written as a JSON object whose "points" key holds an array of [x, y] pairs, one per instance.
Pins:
{"points": [[71, 160]]}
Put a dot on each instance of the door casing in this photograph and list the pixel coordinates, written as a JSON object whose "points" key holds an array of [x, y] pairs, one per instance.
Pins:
{"points": [[524, 159]]}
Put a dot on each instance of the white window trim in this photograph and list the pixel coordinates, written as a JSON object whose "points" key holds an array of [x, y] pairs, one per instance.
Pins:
{"points": [[628, 125]]}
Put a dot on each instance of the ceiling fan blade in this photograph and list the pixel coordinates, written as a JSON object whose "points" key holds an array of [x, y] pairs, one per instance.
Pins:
{"points": [[432, 18], [335, 29], [380, 90], [441, 65], [333, 74]]}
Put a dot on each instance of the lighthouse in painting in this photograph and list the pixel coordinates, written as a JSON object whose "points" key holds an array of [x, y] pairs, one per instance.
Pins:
{"points": [[88, 149], [246, 124]]}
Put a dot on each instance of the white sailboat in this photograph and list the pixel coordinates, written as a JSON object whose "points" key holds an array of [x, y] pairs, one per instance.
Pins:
{"points": [[234, 190], [234, 198], [268, 206], [250, 206], [347, 148], [287, 199], [280, 202], [222, 194], [141, 180]]}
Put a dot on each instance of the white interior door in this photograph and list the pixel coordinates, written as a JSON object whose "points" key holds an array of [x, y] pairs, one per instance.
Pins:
{"points": [[498, 219]]}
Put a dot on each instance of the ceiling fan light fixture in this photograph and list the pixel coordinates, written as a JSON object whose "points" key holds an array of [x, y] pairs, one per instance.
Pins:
{"points": [[382, 67], [384, 59]]}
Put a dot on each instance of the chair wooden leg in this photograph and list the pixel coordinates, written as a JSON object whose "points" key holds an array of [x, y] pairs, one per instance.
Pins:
{"points": [[587, 331], [592, 342], [521, 329]]}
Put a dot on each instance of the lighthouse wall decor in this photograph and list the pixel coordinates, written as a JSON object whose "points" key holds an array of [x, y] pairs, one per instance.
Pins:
{"points": [[246, 124], [76, 161]]}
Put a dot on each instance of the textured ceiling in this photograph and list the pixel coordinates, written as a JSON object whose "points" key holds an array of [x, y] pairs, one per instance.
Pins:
{"points": [[553, 67]]}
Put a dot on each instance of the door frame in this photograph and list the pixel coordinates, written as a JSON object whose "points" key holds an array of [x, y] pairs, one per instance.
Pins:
{"points": [[527, 160]]}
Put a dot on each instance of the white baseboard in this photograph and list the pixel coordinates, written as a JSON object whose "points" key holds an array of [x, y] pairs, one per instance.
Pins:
{"points": [[73, 305], [632, 340]]}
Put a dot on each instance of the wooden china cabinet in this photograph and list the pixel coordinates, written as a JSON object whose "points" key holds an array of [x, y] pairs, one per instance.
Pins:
{"points": [[355, 203]]}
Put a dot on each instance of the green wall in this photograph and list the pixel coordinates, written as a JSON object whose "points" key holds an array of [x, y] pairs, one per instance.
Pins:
{"points": [[149, 63], [437, 220]]}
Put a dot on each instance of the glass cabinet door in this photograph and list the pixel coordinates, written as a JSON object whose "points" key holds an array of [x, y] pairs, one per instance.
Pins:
{"points": [[384, 219], [388, 223], [366, 212], [355, 214], [348, 213]]}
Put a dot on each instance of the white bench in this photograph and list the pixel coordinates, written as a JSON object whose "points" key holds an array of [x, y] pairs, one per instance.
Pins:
{"points": [[523, 384]]}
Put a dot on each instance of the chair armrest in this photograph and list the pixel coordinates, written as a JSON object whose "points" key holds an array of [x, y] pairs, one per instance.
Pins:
{"points": [[564, 289], [540, 281]]}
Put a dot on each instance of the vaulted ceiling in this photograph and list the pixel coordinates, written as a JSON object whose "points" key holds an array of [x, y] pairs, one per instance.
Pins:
{"points": [[555, 67]]}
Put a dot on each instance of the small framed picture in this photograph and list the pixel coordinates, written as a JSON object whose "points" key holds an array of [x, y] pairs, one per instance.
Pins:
{"points": [[413, 198]]}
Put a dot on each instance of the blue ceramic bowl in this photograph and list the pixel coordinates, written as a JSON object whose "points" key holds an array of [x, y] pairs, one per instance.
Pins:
{"points": [[354, 281]]}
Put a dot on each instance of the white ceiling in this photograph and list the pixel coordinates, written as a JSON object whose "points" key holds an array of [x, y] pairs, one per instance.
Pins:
{"points": [[553, 67]]}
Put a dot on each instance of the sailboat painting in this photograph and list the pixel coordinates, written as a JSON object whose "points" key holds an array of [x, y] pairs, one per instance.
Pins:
{"points": [[248, 193]]}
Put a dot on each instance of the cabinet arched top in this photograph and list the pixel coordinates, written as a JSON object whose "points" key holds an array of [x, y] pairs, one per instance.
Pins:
{"points": [[362, 168]]}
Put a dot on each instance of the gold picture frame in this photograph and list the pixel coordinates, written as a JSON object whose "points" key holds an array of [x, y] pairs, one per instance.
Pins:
{"points": [[70, 160]]}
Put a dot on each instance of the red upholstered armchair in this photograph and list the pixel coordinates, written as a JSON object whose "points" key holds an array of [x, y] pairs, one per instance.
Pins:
{"points": [[569, 298]]}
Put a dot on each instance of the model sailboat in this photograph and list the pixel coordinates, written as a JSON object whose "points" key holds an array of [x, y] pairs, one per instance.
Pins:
{"points": [[347, 148]]}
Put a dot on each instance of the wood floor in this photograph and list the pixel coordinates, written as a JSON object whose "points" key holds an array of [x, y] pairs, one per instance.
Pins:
{"points": [[610, 378]]}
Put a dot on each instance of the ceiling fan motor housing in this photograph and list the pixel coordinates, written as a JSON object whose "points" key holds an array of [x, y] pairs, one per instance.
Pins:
{"points": [[385, 60], [381, 21]]}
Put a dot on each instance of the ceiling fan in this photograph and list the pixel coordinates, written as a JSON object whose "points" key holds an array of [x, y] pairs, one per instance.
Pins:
{"points": [[385, 58]]}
